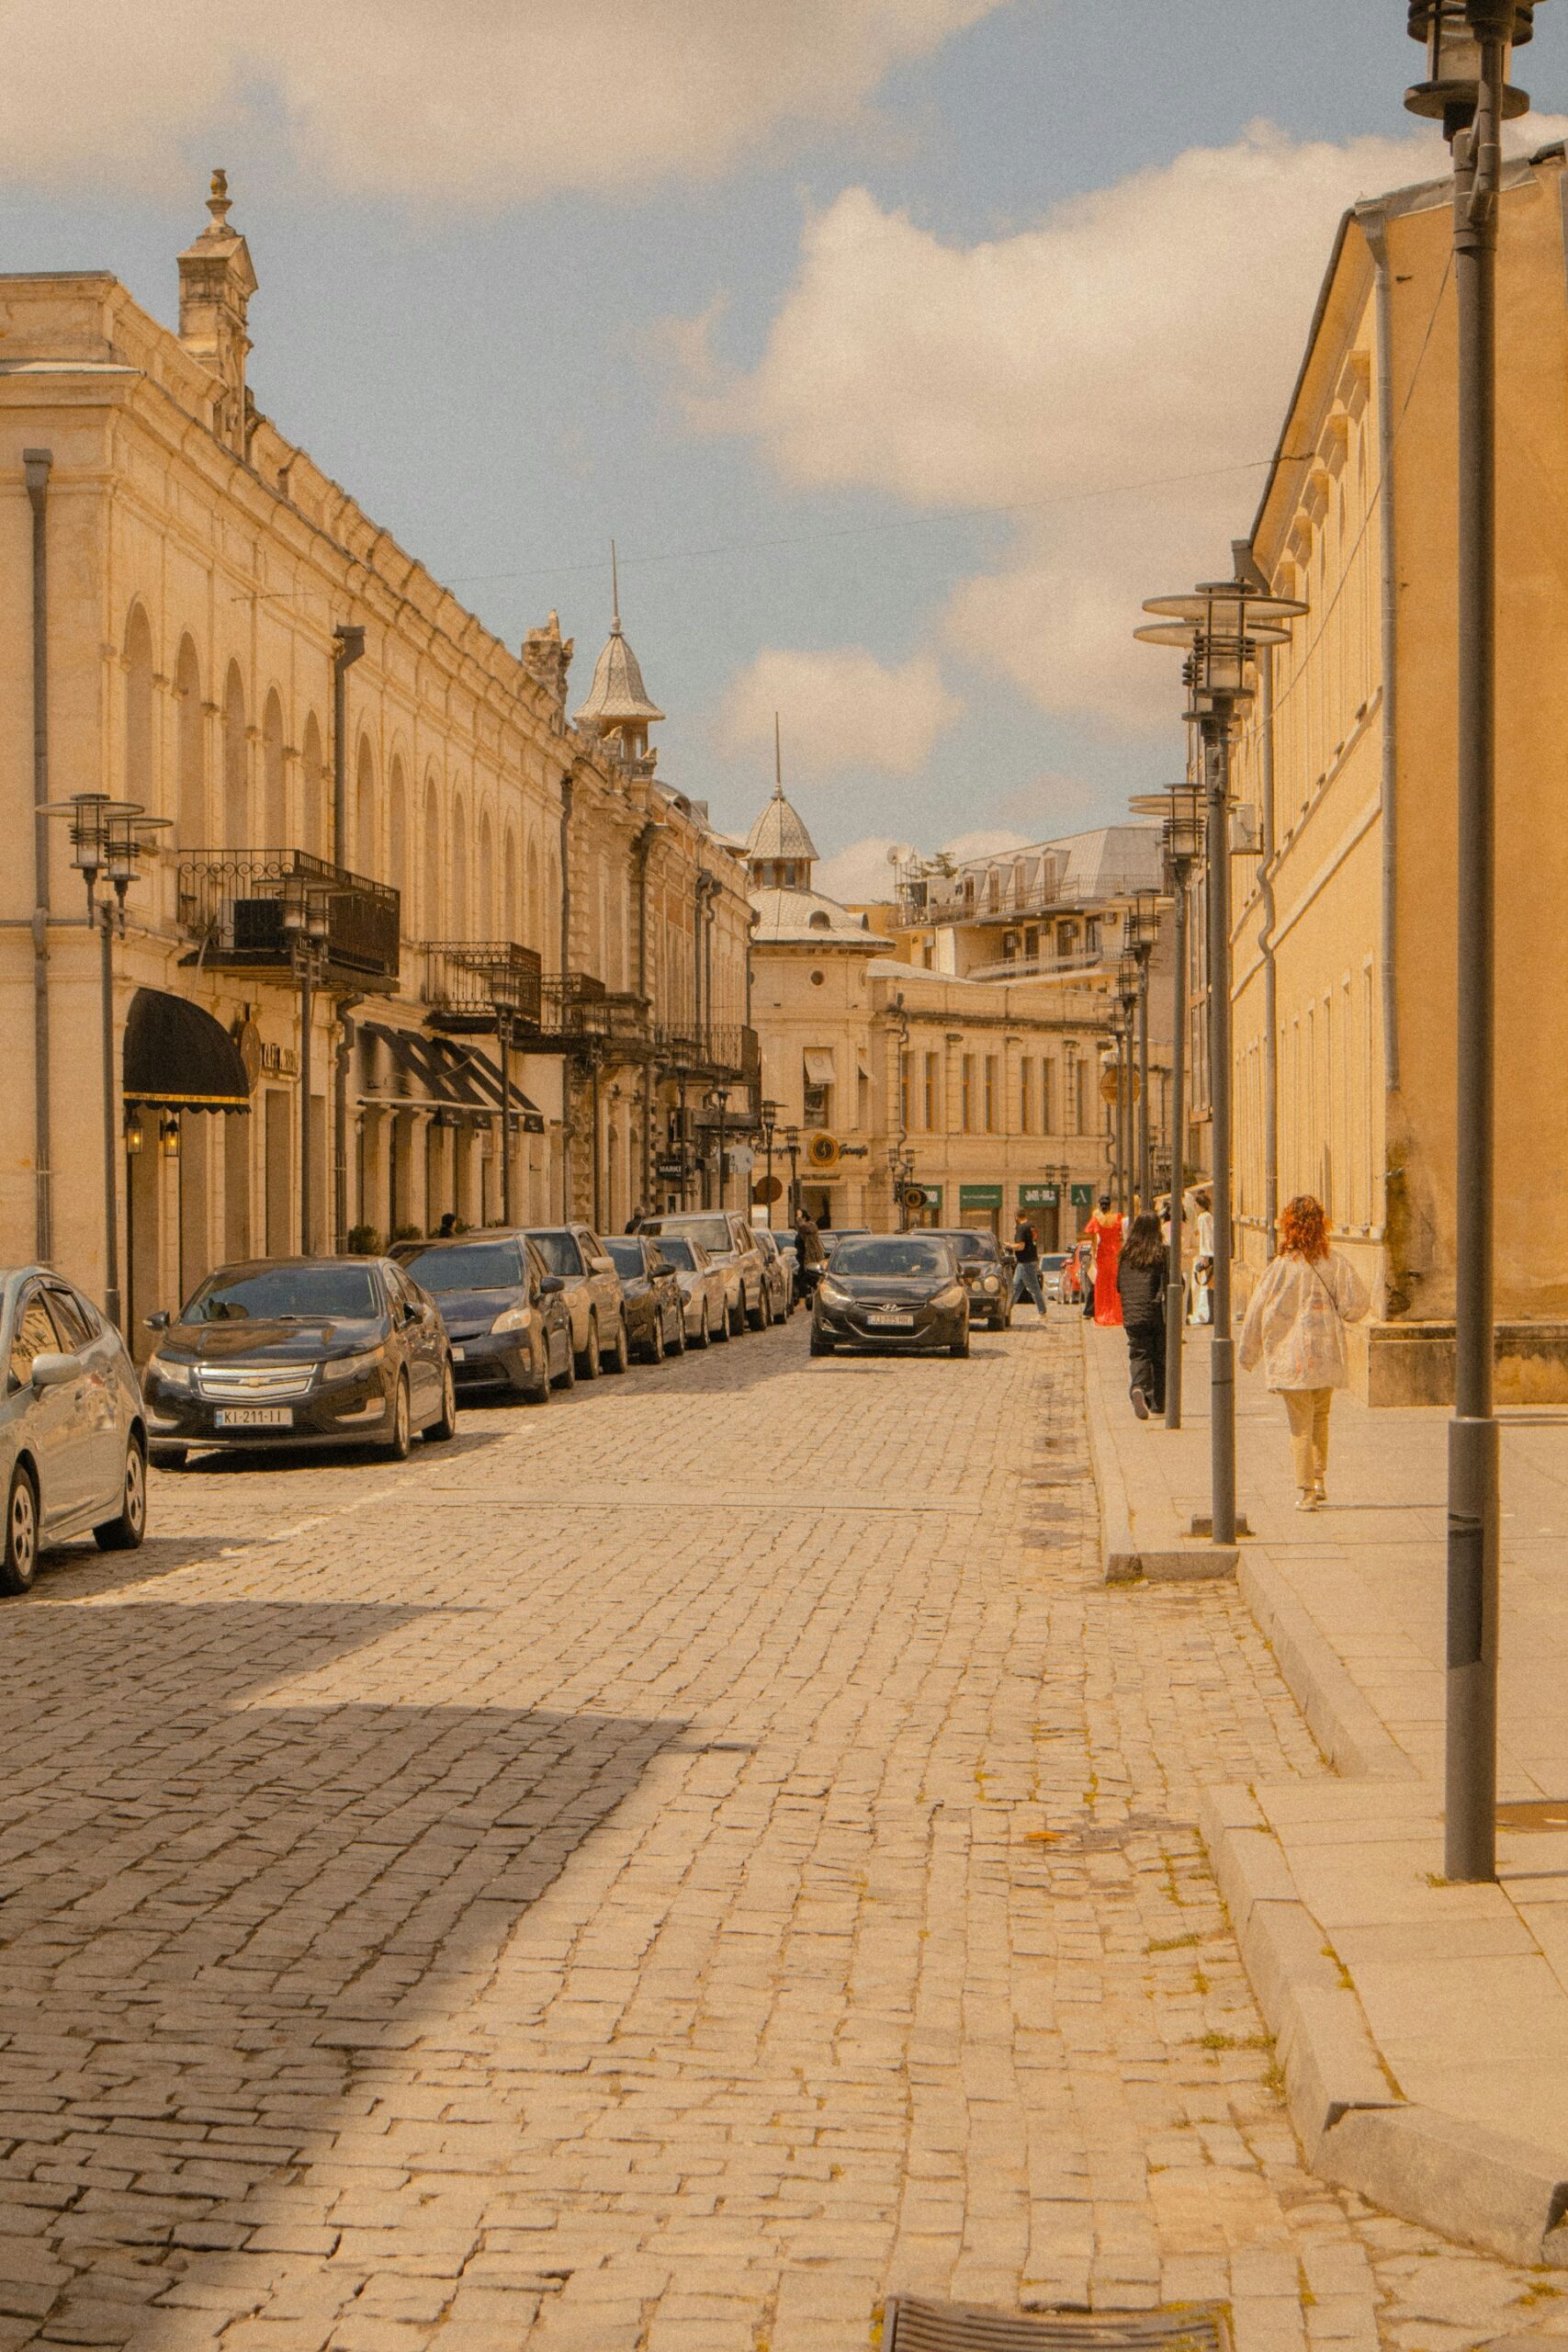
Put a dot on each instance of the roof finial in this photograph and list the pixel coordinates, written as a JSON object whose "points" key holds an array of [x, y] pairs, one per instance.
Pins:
{"points": [[614, 593], [778, 762], [218, 203]]}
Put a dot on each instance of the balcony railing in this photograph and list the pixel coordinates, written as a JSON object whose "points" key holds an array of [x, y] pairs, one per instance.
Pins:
{"points": [[727, 1051], [474, 985], [1042, 967], [233, 904]]}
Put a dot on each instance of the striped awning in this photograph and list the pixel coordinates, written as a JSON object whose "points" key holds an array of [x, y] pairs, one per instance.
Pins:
{"points": [[405, 1069]]}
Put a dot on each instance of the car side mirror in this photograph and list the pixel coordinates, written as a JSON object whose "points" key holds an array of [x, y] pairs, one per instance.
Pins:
{"points": [[550, 1286], [602, 1265], [158, 1321], [51, 1371]]}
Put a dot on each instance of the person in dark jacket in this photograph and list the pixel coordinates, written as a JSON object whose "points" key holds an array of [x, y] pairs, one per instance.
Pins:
{"points": [[1141, 1279]]}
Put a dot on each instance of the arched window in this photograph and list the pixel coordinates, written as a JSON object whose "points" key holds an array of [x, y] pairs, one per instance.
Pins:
{"points": [[236, 779], [274, 790], [190, 750], [139, 778], [398, 826], [430, 913], [485, 882], [313, 779], [365, 810], [549, 938], [509, 910], [535, 935], [459, 871]]}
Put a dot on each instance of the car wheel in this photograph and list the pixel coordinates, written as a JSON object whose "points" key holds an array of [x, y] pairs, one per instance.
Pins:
{"points": [[620, 1356], [568, 1378], [168, 1457], [588, 1362], [535, 1390], [737, 1318], [445, 1423], [960, 1347], [678, 1344], [656, 1340], [705, 1336], [723, 1329], [820, 1346], [18, 1560], [124, 1532], [396, 1447], [756, 1316]]}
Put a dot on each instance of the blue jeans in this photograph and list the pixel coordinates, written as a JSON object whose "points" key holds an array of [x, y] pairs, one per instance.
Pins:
{"points": [[1026, 1284]]}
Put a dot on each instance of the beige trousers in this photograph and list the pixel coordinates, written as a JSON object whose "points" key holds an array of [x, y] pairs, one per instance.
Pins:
{"points": [[1307, 1409]]}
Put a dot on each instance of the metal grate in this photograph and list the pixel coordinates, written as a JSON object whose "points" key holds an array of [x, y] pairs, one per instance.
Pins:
{"points": [[911, 2324]]}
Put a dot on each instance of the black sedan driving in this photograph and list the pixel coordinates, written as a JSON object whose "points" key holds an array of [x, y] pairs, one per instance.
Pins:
{"points": [[299, 1351], [656, 1312], [505, 1313], [895, 1290]]}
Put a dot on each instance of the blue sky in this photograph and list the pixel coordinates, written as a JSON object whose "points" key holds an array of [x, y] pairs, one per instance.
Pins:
{"points": [[507, 373]]}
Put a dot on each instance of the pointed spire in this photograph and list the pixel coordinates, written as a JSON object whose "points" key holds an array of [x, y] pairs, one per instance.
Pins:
{"points": [[614, 593], [778, 762]]}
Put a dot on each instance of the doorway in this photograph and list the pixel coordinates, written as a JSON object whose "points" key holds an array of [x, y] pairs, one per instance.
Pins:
{"points": [[278, 1148]]}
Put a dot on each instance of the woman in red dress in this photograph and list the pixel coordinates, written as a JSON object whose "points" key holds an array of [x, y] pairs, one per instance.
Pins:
{"points": [[1106, 1225]]}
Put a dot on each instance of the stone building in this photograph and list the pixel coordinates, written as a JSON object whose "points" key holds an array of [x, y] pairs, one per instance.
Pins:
{"points": [[497, 895], [1342, 953], [907, 1045]]}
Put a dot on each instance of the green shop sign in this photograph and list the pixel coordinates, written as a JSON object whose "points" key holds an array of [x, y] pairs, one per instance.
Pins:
{"points": [[1038, 1197], [1082, 1196], [979, 1197]]}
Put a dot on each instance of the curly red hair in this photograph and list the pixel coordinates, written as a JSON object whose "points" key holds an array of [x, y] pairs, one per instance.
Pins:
{"points": [[1303, 1227]]}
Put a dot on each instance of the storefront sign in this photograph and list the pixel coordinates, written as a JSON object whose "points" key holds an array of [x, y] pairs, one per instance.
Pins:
{"points": [[670, 1171], [1039, 1196], [979, 1197], [279, 1061], [1082, 1197]]}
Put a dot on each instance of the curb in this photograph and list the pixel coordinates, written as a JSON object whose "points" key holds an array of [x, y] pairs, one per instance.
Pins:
{"points": [[1122, 1560], [1342, 1721], [1505, 2197]]}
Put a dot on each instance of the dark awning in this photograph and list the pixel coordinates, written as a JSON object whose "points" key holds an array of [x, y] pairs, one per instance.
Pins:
{"points": [[403, 1069], [177, 1056]]}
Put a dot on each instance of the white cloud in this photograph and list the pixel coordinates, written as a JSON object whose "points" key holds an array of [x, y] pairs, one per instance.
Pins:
{"points": [[838, 709], [1151, 329], [861, 873], [486, 101], [995, 843]]}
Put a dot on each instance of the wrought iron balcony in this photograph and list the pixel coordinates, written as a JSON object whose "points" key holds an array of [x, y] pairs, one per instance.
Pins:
{"points": [[474, 985], [725, 1052], [233, 904]]}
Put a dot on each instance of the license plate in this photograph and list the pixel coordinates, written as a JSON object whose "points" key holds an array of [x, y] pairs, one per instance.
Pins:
{"points": [[255, 1416], [893, 1322], [459, 1356]]}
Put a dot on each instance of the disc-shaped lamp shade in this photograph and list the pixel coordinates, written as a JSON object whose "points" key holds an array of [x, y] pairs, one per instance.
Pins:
{"points": [[1451, 32]]}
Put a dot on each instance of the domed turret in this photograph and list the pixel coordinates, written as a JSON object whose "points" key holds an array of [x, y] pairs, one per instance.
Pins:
{"points": [[618, 705], [779, 851]]}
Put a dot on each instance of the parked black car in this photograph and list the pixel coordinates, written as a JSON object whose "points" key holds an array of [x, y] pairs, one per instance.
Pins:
{"points": [[299, 1351], [986, 1274], [656, 1315], [897, 1291], [505, 1313]]}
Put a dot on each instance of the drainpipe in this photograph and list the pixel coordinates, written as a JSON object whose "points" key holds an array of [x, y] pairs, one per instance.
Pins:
{"points": [[565, 963], [349, 645], [36, 464], [1375, 229], [641, 850]]}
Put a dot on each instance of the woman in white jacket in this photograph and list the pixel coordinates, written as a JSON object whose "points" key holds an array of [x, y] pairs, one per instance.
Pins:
{"points": [[1296, 1324]]}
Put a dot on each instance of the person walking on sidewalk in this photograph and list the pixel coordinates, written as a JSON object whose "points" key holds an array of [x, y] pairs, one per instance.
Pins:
{"points": [[1295, 1323], [1026, 1266], [1106, 1227], [1141, 1279]]}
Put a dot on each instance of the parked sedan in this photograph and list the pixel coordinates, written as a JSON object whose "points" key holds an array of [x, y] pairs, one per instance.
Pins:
{"points": [[73, 1443], [300, 1351], [656, 1314], [1052, 1277], [778, 1273], [986, 1274], [704, 1295], [592, 1296], [505, 1314], [897, 1291], [731, 1244]]}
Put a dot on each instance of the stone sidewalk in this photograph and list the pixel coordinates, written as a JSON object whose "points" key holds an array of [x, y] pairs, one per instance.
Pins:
{"points": [[1424, 2026]]}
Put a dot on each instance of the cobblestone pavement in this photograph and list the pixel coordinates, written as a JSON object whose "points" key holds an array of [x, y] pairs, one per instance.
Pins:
{"points": [[659, 1873]]}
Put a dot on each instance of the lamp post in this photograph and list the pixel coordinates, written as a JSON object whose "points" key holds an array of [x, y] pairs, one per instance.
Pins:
{"points": [[306, 917], [792, 1145], [1144, 932], [1126, 1037], [1220, 626], [1467, 88], [107, 839], [768, 1111], [1182, 836]]}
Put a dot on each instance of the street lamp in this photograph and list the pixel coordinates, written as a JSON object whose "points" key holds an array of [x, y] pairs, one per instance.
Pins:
{"points": [[792, 1145], [307, 922], [107, 839], [1220, 626], [1126, 1035], [1181, 831], [1468, 45], [1142, 931], [768, 1111]]}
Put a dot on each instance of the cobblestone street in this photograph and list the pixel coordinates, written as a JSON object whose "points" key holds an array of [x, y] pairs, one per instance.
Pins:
{"points": [[662, 1872]]}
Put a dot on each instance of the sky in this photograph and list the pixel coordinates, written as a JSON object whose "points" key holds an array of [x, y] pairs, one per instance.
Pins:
{"points": [[902, 345]]}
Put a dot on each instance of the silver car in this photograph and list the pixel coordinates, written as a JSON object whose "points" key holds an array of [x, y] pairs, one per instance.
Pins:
{"points": [[594, 1301], [704, 1295], [75, 1456], [731, 1244]]}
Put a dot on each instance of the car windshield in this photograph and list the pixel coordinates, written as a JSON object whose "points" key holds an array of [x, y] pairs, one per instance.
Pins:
{"points": [[713, 1232], [284, 1294], [892, 1254], [970, 1247], [625, 1256], [560, 1252], [475, 1265], [678, 1252], [1054, 1263]]}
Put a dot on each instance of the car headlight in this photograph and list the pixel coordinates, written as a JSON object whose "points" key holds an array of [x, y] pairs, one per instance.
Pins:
{"points": [[172, 1375], [952, 1296], [353, 1367], [990, 1282], [514, 1318], [830, 1293]]}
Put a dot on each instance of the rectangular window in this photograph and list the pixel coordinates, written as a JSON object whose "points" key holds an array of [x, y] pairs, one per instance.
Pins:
{"points": [[932, 1080], [1048, 1099], [992, 1069], [1026, 1099], [817, 1087], [966, 1094], [904, 1092]]}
